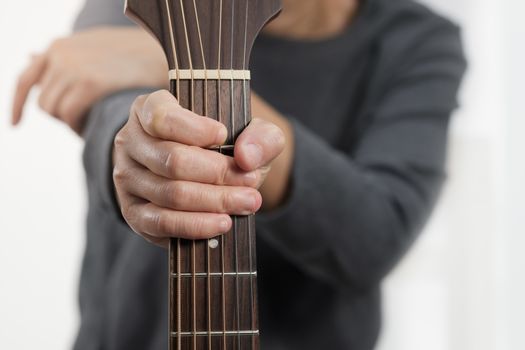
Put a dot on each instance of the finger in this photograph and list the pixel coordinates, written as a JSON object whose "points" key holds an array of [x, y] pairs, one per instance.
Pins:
{"points": [[157, 222], [259, 144], [188, 163], [161, 242], [130, 200], [191, 196], [53, 87], [162, 117], [26, 81]]}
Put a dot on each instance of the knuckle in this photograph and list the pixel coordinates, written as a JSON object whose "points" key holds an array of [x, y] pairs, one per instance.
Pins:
{"points": [[45, 104], [174, 160], [165, 225], [138, 103], [120, 140], [54, 60], [88, 83], [161, 94], [120, 175], [70, 119], [226, 200], [68, 111], [176, 194], [222, 170], [167, 162], [160, 223], [150, 100], [42, 103]]}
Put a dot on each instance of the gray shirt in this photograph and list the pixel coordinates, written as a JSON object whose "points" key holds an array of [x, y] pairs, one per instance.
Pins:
{"points": [[370, 111]]}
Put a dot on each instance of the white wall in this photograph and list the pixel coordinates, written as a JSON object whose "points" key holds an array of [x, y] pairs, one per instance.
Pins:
{"points": [[460, 288], [41, 195]]}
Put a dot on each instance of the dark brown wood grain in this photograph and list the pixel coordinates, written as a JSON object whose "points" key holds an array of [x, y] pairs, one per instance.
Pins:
{"points": [[213, 292], [238, 17]]}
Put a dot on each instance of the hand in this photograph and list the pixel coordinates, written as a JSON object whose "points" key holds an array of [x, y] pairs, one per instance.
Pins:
{"points": [[169, 184], [75, 72]]}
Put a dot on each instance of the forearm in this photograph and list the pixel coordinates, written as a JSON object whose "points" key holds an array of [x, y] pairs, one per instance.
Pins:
{"points": [[347, 220]]}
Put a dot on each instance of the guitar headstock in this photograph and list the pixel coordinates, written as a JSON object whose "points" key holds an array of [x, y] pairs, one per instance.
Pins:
{"points": [[198, 34]]}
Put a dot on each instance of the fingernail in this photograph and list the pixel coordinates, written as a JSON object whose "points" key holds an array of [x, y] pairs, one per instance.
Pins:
{"points": [[254, 153], [224, 225], [222, 135], [247, 200]]}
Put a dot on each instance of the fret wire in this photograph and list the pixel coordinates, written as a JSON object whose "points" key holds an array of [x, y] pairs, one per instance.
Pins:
{"points": [[216, 333], [215, 274]]}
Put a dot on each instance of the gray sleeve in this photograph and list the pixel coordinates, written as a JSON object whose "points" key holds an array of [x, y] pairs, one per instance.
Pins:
{"points": [[101, 13], [350, 216], [105, 119]]}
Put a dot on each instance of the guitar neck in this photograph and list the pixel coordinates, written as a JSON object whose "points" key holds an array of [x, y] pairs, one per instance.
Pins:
{"points": [[213, 283]]}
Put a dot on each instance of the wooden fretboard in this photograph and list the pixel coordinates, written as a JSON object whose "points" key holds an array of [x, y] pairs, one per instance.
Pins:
{"points": [[213, 283]]}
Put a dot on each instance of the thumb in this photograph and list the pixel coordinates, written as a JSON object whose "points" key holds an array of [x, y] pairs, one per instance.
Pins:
{"points": [[258, 145]]}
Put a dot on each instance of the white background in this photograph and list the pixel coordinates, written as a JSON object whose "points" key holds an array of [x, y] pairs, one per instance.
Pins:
{"points": [[460, 288]]}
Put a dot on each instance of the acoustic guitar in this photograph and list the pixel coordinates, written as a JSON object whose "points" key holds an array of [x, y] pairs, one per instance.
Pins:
{"points": [[212, 283]]}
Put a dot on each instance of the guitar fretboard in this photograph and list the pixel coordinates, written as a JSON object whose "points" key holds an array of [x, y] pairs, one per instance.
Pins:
{"points": [[213, 283]]}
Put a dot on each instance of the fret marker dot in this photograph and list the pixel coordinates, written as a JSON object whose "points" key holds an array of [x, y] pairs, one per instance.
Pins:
{"points": [[213, 243]]}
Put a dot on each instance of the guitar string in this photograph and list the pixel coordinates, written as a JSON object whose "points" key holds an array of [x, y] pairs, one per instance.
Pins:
{"points": [[208, 281], [193, 250], [223, 291], [177, 92], [203, 58], [244, 92], [235, 236], [188, 49], [173, 47]]}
